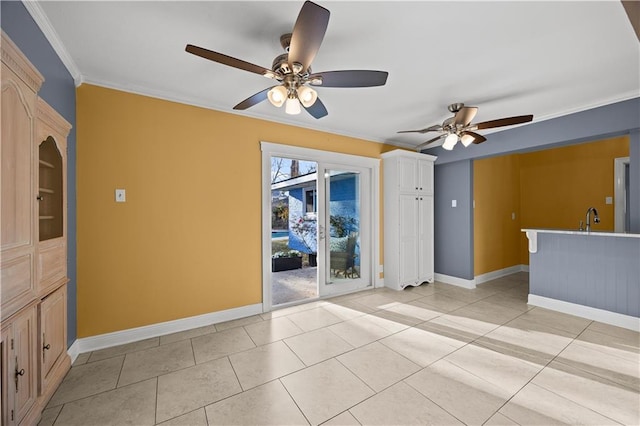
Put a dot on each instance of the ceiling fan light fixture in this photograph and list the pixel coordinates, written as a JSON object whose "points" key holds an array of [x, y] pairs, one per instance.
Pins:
{"points": [[292, 106], [467, 140], [307, 96], [450, 141], [277, 95]]}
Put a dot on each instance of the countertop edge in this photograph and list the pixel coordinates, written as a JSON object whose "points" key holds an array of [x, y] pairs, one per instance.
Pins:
{"points": [[575, 232]]}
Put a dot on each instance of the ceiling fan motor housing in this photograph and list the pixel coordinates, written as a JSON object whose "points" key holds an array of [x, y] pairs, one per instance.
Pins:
{"points": [[281, 64], [282, 67], [454, 108], [285, 41]]}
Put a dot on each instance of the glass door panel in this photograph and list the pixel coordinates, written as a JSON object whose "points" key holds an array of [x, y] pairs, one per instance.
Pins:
{"points": [[293, 231], [345, 230]]}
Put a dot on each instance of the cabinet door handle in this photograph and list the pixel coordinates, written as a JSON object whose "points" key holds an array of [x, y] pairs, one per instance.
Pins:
{"points": [[46, 347], [18, 374], [39, 198]]}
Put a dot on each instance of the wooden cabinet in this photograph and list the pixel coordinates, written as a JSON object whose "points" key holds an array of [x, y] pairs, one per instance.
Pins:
{"points": [[52, 339], [408, 218], [20, 83], [51, 147], [33, 243], [415, 175], [19, 366]]}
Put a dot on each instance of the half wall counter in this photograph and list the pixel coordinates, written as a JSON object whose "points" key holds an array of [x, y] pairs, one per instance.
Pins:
{"points": [[595, 275]]}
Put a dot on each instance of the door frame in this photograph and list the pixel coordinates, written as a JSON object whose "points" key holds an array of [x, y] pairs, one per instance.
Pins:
{"points": [[269, 150], [619, 194]]}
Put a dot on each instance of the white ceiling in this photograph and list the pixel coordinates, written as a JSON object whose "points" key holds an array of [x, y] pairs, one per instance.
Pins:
{"points": [[508, 58]]}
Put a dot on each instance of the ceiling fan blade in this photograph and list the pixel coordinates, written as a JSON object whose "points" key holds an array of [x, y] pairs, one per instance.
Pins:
{"points": [[476, 137], [228, 60], [434, 128], [510, 121], [431, 143], [317, 110], [465, 115], [254, 99], [307, 34], [350, 78]]}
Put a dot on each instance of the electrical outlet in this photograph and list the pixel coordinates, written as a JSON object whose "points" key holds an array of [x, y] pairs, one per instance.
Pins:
{"points": [[608, 200], [121, 196]]}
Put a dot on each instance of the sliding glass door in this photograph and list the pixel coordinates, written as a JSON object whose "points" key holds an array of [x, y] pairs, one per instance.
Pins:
{"points": [[319, 206]]}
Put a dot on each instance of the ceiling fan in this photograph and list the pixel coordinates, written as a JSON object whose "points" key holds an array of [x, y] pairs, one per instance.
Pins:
{"points": [[459, 128], [292, 69]]}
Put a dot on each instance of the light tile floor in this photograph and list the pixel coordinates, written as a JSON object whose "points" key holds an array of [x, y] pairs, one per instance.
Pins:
{"points": [[434, 354]]}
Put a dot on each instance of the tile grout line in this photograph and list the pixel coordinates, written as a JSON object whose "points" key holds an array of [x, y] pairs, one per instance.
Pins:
{"points": [[473, 374], [155, 412], [292, 398], [541, 370]]}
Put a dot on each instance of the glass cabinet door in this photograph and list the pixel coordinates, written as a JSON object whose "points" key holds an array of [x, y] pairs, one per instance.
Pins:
{"points": [[50, 189]]}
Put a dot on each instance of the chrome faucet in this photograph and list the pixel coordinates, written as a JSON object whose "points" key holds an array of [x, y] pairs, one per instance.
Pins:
{"points": [[596, 219]]}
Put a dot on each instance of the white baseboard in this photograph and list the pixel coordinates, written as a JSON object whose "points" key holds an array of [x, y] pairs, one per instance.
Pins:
{"points": [[460, 282], [595, 314], [73, 351], [483, 278], [87, 344]]}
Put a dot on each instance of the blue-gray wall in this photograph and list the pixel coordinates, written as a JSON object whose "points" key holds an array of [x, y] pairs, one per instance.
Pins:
{"points": [[453, 226], [598, 123], [634, 181], [590, 270], [58, 91]]}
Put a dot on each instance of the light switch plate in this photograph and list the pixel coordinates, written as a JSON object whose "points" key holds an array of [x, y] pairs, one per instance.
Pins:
{"points": [[608, 200], [121, 196], [454, 203]]}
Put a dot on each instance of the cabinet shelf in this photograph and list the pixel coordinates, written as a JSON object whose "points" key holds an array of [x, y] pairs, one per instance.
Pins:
{"points": [[51, 191]]}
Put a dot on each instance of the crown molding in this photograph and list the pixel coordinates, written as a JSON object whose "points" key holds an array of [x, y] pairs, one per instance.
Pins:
{"points": [[41, 19], [49, 116], [187, 100], [13, 57]]}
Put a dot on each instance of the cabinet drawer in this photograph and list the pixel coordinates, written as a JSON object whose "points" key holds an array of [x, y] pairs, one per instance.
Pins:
{"points": [[52, 264], [17, 284]]}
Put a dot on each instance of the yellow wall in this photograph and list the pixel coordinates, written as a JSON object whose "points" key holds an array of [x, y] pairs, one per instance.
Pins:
{"points": [[188, 239], [556, 186], [496, 189], [559, 185]]}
